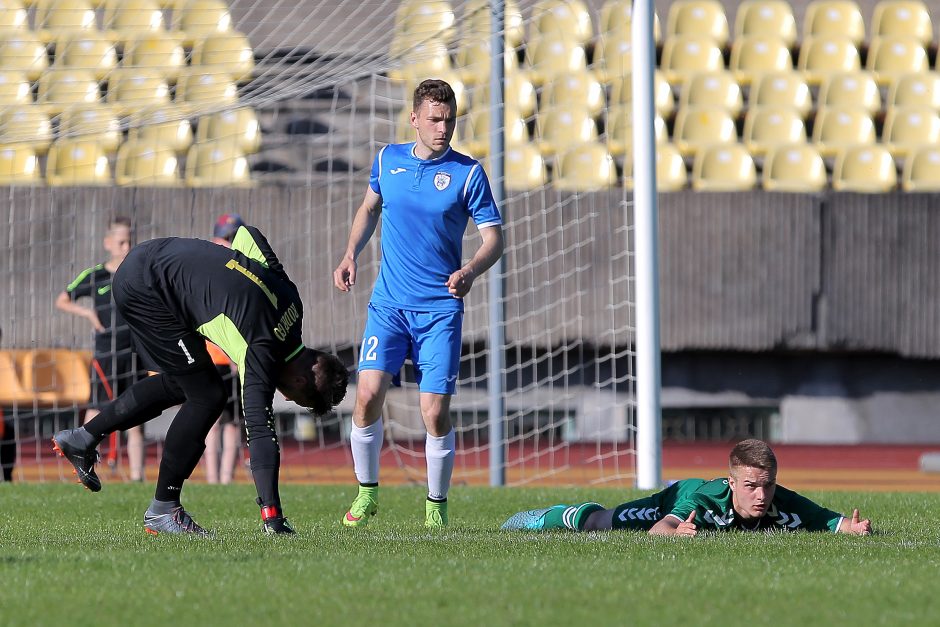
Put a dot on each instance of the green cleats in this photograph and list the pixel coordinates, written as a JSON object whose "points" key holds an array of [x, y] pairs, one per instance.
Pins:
{"points": [[435, 515], [364, 507]]}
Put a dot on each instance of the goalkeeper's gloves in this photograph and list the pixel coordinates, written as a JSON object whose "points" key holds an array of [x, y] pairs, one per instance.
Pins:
{"points": [[273, 522]]}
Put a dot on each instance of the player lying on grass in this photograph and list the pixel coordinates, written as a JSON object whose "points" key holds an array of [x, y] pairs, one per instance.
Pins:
{"points": [[748, 500], [174, 294]]}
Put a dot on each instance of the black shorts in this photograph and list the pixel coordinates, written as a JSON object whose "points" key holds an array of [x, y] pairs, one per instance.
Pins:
{"points": [[112, 374], [162, 340]]}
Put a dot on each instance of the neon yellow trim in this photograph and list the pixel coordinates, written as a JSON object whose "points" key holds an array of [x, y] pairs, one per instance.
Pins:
{"points": [[224, 334], [245, 244], [234, 265], [294, 353], [81, 277]]}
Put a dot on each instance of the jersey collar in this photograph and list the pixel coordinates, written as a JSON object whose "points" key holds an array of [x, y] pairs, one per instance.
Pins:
{"points": [[415, 157]]}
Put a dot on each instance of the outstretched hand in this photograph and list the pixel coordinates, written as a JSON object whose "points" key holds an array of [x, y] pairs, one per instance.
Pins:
{"points": [[687, 527], [855, 526], [344, 277], [460, 282]]}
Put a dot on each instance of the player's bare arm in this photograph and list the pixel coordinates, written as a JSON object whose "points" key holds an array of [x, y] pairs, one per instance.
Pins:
{"points": [[64, 303], [855, 525], [460, 282], [367, 218], [673, 526]]}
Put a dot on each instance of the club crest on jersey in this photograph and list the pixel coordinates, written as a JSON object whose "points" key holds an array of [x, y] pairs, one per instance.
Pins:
{"points": [[441, 181]]}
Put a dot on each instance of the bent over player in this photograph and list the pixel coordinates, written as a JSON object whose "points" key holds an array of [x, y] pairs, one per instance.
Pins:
{"points": [[174, 294], [425, 192], [749, 500]]}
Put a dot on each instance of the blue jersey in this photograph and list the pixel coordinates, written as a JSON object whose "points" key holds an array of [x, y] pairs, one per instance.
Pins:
{"points": [[425, 208]]}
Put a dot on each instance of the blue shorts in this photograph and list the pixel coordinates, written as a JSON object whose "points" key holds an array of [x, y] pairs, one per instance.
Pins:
{"points": [[431, 339]]}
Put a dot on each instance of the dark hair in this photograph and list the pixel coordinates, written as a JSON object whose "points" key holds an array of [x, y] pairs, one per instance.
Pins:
{"points": [[435, 90], [330, 381], [119, 221], [753, 454]]}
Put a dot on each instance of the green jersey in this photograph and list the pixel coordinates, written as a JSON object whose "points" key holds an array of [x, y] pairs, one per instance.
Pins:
{"points": [[712, 503]]}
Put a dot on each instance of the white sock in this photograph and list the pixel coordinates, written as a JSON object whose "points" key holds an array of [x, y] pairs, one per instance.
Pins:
{"points": [[439, 454], [366, 444]]}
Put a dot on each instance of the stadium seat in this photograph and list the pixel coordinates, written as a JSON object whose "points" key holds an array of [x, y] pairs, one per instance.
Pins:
{"points": [[15, 88], [216, 164], [852, 89], [55, 18], [834, 18], [712, 89], [696, 127], [23, 51], [162, 125], [238, 126], [915, 90], [838, 128], [797, 168], [518, 94], [613, 56], [585, 168], [426, 19], [197, 19], [156, 51], [60, 89], [476, 22], [909, 19], [132, 89], [768, 127], [564, 126], [580, 89], [525, 168], [787, 89], [702, 18], [909, 128], [19, 165], [820, 57], [864, 169], [472, 62], [12, 391], [755, 55], [766, 18], [13, 16], [687, 55], [664, 103], [922, 170], [891, 57], [417, 61], [77, 162], [55, 376], [619, 130], [549, 57], [671, 175], [95, 122], [145, 163], [201, 92], [617, 17], [724, 168], [86, 50], [565, 19], [26, 125], [477, 137], [228, 53], [126, 19]]}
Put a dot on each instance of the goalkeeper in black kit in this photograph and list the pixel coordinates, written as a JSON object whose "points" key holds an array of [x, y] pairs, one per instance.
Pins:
{"points": [[174, 294]]}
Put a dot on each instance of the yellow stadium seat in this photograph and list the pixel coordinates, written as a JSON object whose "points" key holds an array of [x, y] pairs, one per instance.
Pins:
{"points": [[562, 19], [477, 136], [755, 55], [518, 94], [12, 391], [723, 168], [197, 19], [712, 89], [77, 162], [15, 88], [585, 168], [671, 175], [915, 90], [853, 89], [162, 125], [663, 101], [834, 18], [909, 128], [419, 60], [579, 88], [86, 50], [23, 51], [61, 17], [26, 125], [768, 127], [225, 52], [156, 51], [96, 123], [696, 127], [617, 17], [63, 88], [864, 169], [902, 18], [689, 54], [143, 163], [766, 18], [132, 89], [564, 126], [838, 128], [619, 130], [795, 168], [238, 126], [525, 168], [702, 18], [202, 92], [13, 16], [425, 19], [216, 164], [549, 57], [476, 22], [19, 165], [129, 18], [787, 89], [820, 57], [891, 57], [613, 56], [922, 170], [473, 62], [55, 376]]}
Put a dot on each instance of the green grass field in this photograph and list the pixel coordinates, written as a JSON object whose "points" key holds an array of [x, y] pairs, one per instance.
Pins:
{"points": [[70, 557]]}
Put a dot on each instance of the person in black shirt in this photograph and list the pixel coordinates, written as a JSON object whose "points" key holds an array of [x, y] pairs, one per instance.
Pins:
{"points": [[175, 294]]}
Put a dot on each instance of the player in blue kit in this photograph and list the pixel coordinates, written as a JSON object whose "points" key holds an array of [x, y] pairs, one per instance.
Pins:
{"points": [[424, 192]]}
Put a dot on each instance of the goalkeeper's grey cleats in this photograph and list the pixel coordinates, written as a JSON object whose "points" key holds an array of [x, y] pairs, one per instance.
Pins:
{"points": [[75, 446], [176, 521]]}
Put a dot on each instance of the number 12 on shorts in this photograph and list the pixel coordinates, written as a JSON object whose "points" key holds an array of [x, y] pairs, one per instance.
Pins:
{"points": [[369, 350]]}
